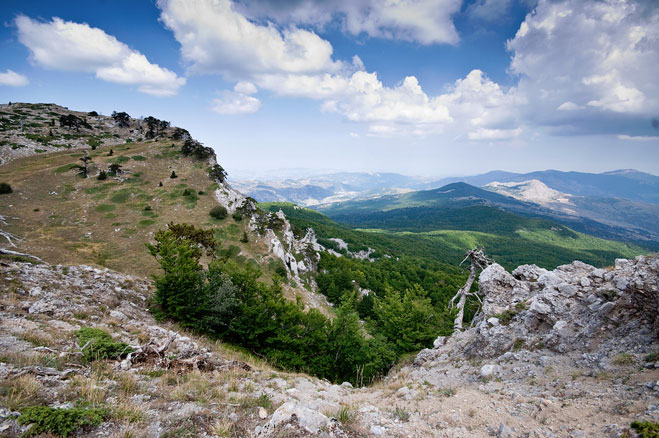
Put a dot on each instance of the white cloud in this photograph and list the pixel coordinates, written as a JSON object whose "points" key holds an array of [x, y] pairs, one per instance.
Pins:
{"points": [[216, 38], [494, 134], [234, 103], [569, 106], [489, 10], [638, 138], [245, 88], [69, 46], [422, 21], [13, 79], [582, 62]]}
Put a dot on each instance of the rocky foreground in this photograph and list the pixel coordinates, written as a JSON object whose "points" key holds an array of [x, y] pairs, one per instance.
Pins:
{"points": [[566, 353]]}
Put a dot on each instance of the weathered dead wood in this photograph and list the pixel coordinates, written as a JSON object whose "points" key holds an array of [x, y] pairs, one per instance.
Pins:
{"points": [[478, 260]]}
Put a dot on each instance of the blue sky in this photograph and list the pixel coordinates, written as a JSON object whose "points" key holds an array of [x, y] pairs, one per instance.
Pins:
{"points": [[421, 87]]}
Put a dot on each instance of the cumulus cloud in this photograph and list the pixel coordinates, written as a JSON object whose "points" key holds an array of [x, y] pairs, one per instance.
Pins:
{"points": [[216, 38], [13, 79], [237, 101], [584, 62], [68, 46], [422, 21]]}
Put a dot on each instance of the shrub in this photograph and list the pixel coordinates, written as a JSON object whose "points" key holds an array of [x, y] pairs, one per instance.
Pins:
{"points": [[98, 344], [218, 212], [646, 429], [244, 239], [59, 422], [237, 216], [102, 175], [5, 188]]}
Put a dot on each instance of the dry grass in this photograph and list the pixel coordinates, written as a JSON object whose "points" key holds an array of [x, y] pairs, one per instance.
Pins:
{"points": [[223, 427], [129, 412], [194, 386], [88, 389], [128, 383], [19, 393]]}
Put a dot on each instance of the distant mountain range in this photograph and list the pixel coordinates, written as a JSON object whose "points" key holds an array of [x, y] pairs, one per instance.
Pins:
{"points": [[329, 188], [626, 184], [342, 186], [460, 206], [620, 205]]}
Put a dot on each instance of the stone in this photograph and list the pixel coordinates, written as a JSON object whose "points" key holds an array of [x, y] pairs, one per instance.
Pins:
{"points": [[439, 342], [490, 370], [346, 385], [505, 432], [539, 307], [403, 392], [528, 272], [263, 414], [567, 290], [377, 430], [310, 420], [493, 321]]}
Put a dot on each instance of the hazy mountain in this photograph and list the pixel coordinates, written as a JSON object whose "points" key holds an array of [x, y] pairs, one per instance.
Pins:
{"points": [[329, 188], [627, 184]]}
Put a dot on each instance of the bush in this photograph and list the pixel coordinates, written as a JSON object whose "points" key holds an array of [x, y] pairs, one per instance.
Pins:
{"points": [[99, 345], [237, 216], [218, 212], [5, 188], [102, 175], [59, 422], [646, 429]]}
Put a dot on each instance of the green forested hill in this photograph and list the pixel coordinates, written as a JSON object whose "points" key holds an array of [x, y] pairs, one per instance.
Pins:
{"points": [[445, 232]]}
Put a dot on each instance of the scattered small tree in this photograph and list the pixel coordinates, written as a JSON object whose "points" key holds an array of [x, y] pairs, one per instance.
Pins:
{"points": [[73, 121], [5, 188], [173, 175], [84, 169], [111, 153], [217, 172], [114, 169], [218, 212], [121, 119], [102, 175], [244, 239]]}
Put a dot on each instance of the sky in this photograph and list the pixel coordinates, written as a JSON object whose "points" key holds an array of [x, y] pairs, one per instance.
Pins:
{"points": [[419, 87]]}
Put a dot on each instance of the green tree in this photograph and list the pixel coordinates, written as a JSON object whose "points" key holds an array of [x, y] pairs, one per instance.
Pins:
{"points": [[179, 291], [408, 321]]}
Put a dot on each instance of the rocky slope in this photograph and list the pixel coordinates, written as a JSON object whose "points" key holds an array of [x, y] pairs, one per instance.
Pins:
{"points": [[556, 354]]}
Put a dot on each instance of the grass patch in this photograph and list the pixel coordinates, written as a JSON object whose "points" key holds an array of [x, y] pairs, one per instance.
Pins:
{"points": [[146, 222], [119, 160], [66, 168], [104, 208], [138, 157]]}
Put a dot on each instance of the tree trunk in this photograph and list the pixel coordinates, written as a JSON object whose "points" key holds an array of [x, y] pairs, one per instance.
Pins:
{"points": [[463, 293]]}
